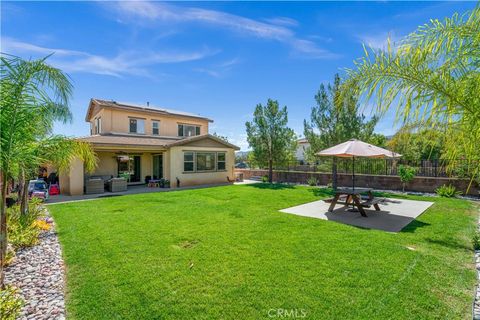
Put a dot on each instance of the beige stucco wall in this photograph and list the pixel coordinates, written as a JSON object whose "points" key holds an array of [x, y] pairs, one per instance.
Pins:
{"points": [[114, 120], [71, 182], [199, 178]]}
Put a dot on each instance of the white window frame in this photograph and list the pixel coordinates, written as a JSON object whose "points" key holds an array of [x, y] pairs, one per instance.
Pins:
{"points": [[193, 161], [158, 127], [195, 166], [224, 161], [98, 125], [184, 125], [138, 120], [214, 161]]}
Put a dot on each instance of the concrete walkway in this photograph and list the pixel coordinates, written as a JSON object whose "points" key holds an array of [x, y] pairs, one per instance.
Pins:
{"points": [[395, 214], [133, 190]]}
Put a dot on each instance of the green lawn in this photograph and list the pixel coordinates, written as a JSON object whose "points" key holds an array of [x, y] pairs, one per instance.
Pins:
{"points": [[227, 253]]}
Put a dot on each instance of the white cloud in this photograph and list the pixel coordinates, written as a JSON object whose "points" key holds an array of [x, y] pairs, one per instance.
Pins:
{"points": [[379, 40], [125, 63], [283, 21], [145, 13]]}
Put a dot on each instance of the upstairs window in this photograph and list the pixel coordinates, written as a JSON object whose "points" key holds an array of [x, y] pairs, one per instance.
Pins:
{"points": [[98, 125], [155, 128], [137, 125], [186, 130]]}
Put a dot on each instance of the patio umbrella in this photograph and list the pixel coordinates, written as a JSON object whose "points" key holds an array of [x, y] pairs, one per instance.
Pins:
{"points": [[356, 148]]}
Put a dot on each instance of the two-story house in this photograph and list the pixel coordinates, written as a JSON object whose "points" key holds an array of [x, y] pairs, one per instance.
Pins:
{"points": [[146, 142]]}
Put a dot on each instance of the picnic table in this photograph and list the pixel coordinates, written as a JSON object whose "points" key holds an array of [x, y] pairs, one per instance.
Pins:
{"points": [[352, 197], [154, 183]]}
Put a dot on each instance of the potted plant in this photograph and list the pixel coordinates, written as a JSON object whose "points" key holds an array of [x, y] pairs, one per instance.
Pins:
{"points": [[125, 175]]}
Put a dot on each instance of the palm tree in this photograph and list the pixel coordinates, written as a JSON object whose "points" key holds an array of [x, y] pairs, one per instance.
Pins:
{"points": [[33, 96], [431, 78]]}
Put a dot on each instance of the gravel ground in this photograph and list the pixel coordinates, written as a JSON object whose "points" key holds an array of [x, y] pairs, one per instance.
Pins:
{"points": [[39, 273]]}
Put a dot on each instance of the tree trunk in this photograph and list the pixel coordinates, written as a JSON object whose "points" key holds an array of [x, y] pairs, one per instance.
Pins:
{"points": [[270, 170], [3, 228], [24, 199], [334, 174]]}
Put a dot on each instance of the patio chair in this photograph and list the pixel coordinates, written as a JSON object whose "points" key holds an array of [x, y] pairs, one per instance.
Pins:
{"points": [[117, 185]]}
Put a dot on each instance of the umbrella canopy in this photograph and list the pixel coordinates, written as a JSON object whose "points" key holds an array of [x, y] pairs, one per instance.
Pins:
{"points": [[357, 148]]}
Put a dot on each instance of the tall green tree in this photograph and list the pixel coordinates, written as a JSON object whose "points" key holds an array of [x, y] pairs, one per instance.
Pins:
{"points": [[430, 78], [334, 120], [33, 96], [272, 141]]}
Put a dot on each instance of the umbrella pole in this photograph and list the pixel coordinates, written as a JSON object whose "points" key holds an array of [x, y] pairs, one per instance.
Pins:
{"points": [[353, 173]]}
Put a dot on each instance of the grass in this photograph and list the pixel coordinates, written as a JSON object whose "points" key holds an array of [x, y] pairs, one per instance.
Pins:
{"points": [[227, 252]]}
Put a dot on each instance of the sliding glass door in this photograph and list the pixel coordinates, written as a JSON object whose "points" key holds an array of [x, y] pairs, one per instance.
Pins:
{"points": [[130, 166], [158, 166]]}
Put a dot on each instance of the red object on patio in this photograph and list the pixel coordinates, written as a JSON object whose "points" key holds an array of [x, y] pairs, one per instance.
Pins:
{"points": [[54, 190]]}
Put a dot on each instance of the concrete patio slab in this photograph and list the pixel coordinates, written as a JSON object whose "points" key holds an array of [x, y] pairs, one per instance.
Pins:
{"points": [[395, 214]]}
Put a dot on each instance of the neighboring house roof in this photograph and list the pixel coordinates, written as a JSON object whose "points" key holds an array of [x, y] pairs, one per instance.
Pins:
{"points": [[303, 140], [136, 107], [119, 140]]}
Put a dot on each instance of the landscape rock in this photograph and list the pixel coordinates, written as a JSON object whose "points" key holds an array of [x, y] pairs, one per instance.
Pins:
{"points": [[39, 273]]}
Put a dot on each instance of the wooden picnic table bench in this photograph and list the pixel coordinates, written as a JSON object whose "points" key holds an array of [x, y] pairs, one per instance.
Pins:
{"points": [[352, 197]]}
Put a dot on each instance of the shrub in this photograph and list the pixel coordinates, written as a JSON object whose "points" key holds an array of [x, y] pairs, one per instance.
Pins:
{"points": [[312, 181], [265, 178], [10, 303], [406, 174], [447, 191], [23, 229], [476, 240]]}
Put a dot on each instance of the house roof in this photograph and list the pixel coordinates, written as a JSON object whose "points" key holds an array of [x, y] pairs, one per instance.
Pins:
{"points": [[303, 140], [136, 107], [125, 140], [201, 137]]}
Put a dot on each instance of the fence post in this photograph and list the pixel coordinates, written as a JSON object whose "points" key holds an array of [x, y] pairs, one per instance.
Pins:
{"points": [[436, 164]]}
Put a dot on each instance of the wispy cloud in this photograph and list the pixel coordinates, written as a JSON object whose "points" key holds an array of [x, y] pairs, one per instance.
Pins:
{"points": [[283, 21], [379, 40], [220, 69], [124, 63], [276, 29]]}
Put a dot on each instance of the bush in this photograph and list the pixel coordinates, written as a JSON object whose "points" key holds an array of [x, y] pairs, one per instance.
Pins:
{"points": [[447, 191], [406, 174], [476, 240], [10, 303], [265, 178], [23, 229], [312, 181]]}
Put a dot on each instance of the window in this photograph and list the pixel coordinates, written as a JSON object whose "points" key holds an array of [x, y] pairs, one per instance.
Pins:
{"points": [[221, 160], [185, 130], [205, 161], [98, 125], [155, 128], [188, 162], [137, 126]]}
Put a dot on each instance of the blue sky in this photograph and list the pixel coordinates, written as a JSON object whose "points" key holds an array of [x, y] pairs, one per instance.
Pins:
{"points": [[218, 59]]}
